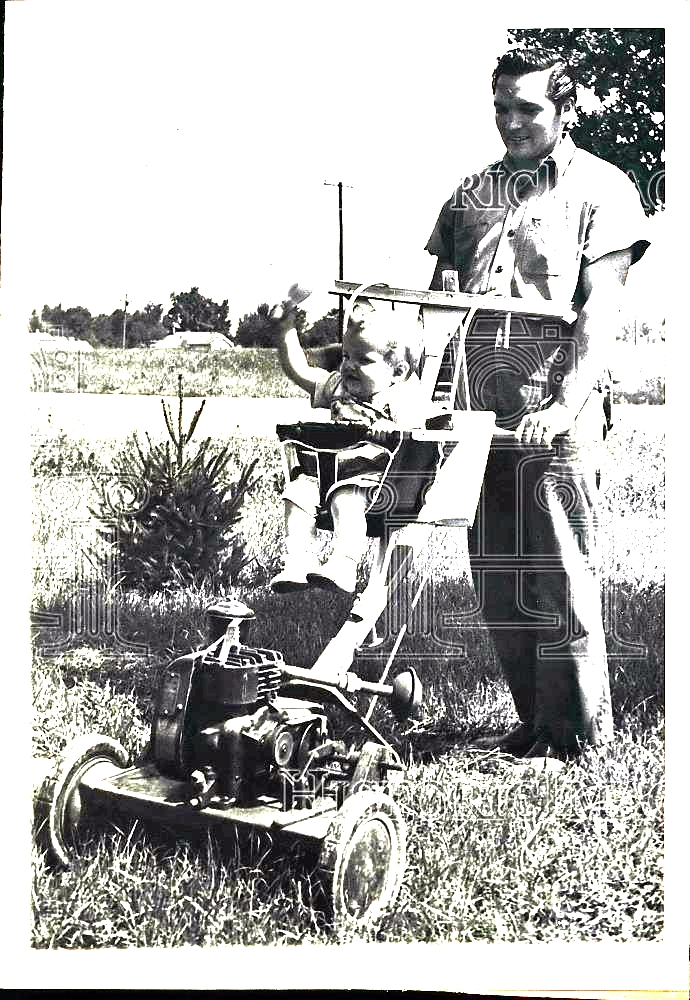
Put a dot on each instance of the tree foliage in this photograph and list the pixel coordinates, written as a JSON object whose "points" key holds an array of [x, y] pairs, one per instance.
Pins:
{"points": [[194, 312], [143, 326], [624, 68], [72, 322], [324, 331], [258, 328]]}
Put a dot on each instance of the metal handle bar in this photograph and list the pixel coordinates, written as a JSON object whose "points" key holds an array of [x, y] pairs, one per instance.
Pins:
{"points": [[346, 681], [538, 307]]}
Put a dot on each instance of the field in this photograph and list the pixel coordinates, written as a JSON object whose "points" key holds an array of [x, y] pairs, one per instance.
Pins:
{"points": [[495, 852], [238, 372], [638, 370]]}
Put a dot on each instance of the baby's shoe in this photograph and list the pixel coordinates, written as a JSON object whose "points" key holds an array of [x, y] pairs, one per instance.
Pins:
{"points": [[292, 577], [337, 573]]}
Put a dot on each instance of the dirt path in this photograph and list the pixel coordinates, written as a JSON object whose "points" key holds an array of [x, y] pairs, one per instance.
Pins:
{"points": [[97, 415]]}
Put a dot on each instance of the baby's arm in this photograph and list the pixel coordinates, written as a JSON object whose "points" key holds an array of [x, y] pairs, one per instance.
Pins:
{"points": [[291, 353]]}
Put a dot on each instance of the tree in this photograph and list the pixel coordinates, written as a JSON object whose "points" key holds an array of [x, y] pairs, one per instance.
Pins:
{"points": [[624, 68], [192, 311], [145, 326], [72, 322], [102, 331], [324, 331], [258, 329], [53, 316], [78, 322]]}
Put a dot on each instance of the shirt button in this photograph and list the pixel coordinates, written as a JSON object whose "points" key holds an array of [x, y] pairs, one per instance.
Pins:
{"points": [[499, 269]]}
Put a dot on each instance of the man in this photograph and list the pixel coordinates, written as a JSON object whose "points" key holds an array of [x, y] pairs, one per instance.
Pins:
{"points": [[553, 221]]}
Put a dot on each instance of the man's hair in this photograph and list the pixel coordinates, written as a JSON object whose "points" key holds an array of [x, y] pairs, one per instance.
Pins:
{"points": [[517, 62]]}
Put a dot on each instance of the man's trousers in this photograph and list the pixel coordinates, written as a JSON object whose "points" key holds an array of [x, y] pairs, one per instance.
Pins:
{"points": [[534, 564]]}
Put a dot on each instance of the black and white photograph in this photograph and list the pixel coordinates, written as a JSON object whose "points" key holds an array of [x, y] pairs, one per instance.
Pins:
{"points": [[341, 336]]}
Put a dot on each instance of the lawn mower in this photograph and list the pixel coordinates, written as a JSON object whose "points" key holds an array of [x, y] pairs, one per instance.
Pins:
{"points": [[241, 739]]}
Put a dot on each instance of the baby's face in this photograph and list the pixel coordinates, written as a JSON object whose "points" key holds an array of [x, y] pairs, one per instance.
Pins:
{"points": [[364, 367]]}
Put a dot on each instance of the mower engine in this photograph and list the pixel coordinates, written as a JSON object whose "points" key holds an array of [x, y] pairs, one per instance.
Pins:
{"points": [[222, 726]]}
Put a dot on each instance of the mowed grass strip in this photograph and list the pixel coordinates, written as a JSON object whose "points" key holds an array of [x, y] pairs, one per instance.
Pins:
{"points": [[495, 852]]}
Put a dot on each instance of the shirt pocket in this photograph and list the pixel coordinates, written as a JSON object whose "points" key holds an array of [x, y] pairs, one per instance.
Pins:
{"points": [[476, 238], [542, 251]]}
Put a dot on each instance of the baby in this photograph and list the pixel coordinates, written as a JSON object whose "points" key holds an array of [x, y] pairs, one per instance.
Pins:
{"points": [[376, 384]]}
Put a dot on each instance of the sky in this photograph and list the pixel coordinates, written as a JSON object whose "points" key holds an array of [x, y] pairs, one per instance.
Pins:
{"points": [[154, 145]]}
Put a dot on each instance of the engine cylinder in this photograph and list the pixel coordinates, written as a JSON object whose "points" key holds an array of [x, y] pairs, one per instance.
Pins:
{"points": [[230, 685]]}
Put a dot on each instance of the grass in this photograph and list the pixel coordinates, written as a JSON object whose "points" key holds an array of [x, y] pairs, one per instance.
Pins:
{"points": [[637, 368], [233, 372], [494, 853]]}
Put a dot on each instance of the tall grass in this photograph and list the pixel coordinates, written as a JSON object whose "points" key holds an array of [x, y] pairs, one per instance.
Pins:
{"points": [[638, 370], [233, 372], [496, 852]]}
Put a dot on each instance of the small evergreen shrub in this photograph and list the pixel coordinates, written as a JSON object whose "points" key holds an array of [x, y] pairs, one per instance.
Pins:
{"points": [[169, 510]]}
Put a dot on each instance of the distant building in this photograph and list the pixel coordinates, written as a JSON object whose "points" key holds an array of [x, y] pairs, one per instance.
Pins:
{"points": [[193, 341], [38, 342]]}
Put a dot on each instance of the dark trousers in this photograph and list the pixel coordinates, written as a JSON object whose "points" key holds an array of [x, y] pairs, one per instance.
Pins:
{"points": [[533, 559]]}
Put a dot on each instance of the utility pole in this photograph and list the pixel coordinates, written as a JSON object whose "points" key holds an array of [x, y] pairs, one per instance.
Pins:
{"points": [[124, 323], [340, 186]]}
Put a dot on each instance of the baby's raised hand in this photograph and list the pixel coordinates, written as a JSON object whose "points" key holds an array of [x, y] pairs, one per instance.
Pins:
{"points": [[287, 308], [298, 294]]}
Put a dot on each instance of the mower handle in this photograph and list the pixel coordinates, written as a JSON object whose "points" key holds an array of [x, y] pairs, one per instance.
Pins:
{"points": [[404, 694]]}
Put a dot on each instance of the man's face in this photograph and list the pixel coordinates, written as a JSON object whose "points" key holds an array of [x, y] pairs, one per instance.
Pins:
{"points": [[527, 119]]}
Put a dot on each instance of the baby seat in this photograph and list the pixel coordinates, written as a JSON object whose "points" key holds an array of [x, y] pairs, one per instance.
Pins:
{"points": [[432, 476]]}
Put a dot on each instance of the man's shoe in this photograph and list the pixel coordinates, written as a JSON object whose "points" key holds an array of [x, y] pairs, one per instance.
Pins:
{"points": [[337, 573], [543, 756], [516, 743], [542, 749]]}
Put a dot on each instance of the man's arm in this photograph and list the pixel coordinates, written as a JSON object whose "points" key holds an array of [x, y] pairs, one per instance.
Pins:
{"points": [[594, 334], [436, 284]]}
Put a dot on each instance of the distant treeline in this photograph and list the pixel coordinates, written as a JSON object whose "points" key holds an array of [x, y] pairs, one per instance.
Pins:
{"points": [[189, 311]]}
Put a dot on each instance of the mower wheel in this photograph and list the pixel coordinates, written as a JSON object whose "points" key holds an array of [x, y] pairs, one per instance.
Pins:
{"points": [[362, 860], [58, 805]]}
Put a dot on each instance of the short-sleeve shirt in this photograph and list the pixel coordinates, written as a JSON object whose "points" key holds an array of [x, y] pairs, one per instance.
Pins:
{"points": [[513, 233]]}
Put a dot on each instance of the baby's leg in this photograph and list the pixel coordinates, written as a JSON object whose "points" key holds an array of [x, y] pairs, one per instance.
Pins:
{"points": [[299, 530], [300, 499], [348, 508]]}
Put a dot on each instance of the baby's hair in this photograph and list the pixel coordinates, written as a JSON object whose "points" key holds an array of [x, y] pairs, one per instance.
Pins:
{"points": [[399, 335]]}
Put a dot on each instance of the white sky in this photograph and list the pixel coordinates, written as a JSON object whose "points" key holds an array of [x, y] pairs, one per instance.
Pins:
{"points": [[154, 145]]}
